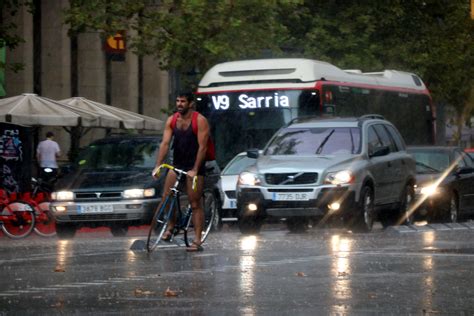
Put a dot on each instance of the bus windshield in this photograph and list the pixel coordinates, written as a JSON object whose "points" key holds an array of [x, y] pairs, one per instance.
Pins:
{"points": [[243, 120]]}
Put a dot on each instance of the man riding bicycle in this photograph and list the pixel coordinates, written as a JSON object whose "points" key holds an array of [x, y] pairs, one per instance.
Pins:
{"points": [[189, 152]]}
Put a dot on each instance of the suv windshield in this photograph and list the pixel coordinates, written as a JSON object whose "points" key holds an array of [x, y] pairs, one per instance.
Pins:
{"points": [[315, 141], [124, 154]]}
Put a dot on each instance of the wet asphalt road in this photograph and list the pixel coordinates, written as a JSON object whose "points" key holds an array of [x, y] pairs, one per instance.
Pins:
{"points": [[324, 271]]}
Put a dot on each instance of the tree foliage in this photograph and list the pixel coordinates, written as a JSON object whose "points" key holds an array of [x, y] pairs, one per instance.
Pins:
{"points": [[433, 38], [8, 36], [187, 35]]}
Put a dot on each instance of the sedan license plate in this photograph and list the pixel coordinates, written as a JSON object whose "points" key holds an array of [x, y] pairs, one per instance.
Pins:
{"points": [[293, 196], [94, 208]]}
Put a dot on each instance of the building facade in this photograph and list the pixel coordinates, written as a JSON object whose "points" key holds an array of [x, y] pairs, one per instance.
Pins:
{"points": [[57, 66]]}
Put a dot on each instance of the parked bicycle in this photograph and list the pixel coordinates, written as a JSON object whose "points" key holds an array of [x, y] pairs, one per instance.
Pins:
{"points": [[17, 218], [171, 206], [40, 197]]}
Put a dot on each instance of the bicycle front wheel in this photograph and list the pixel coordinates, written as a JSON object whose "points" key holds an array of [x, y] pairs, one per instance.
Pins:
{"points": [[45, 224], [18, 219], [210, 210], [160, 222]]}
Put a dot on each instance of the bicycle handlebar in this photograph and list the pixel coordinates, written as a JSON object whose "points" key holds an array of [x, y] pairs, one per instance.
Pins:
{"points": [[156, 173]]}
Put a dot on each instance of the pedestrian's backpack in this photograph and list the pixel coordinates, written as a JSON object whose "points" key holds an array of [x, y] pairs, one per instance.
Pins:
{"points": [[211, 150]]}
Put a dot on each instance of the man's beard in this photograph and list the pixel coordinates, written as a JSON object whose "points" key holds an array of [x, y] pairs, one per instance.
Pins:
{"points": [[183, 111]]}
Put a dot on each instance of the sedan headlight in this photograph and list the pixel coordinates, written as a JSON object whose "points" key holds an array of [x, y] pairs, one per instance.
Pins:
{"points": [[340, 177], [428, 190], [62, 196], [138, 193], [248, 178]]}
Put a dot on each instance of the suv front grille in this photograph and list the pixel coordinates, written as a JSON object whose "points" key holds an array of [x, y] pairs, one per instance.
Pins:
{"points": [[98, 195], [291, 178]]}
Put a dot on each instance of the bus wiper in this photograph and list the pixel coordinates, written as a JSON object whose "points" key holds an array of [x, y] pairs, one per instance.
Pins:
{"points": [[320, 148]]}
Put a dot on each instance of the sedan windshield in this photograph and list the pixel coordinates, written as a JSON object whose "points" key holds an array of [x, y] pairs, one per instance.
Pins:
{"points": [[125, 154], [431, 161], [237, 165], [316, 141]]}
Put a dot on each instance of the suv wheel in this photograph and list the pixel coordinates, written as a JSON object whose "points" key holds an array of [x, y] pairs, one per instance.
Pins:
{"points": [[65, 231], [297, 224], [406, 203], [119, 230], [366, 213]]}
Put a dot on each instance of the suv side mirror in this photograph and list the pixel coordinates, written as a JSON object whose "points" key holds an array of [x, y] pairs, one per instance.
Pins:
{"points": [[380, 151], [253, 153]]}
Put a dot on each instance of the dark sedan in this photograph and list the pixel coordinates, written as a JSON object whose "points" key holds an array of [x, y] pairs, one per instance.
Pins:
{"points": [[445, 183]]}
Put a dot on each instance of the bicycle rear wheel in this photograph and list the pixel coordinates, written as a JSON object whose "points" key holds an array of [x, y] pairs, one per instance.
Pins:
{"points": [[18, 219], [210, 209], [160, 222]]}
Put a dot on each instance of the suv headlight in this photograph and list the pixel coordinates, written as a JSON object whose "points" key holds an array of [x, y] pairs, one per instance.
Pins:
{"points": [[138, 193], [62, 196], [248, 178], [340, 177]]}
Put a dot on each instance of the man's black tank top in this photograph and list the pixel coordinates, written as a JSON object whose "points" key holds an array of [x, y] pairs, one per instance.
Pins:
{"points": [[185, 148]]}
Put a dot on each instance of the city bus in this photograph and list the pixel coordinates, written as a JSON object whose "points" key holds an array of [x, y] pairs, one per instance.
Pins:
{"points": [[247, 101]]}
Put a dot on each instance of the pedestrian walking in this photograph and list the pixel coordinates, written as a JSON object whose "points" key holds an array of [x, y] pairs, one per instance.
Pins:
{"points": [[47, 153]]}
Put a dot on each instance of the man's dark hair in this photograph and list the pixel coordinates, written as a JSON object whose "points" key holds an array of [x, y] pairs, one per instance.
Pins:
{"points": [[49, 134], [188, 95]]}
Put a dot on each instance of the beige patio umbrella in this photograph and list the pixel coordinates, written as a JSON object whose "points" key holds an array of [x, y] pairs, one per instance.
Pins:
{"points": [[33, 110], [127, 119]]}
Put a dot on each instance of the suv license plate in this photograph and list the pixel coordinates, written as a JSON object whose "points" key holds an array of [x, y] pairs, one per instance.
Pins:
{"points": [[294, 196], [94, 208]]}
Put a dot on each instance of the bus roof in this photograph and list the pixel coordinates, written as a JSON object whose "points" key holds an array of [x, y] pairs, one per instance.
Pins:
{"points": [[287, 73]]}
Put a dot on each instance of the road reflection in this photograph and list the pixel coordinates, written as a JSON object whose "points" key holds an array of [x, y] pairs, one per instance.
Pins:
{"points": [[429, 269], [341, 273], [248, 244], [63, 254]]}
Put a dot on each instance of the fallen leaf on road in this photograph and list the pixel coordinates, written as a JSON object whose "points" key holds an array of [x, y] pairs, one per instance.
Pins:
{"points": [[170, 293], [58, 304], [140, 292], [300, 274]]}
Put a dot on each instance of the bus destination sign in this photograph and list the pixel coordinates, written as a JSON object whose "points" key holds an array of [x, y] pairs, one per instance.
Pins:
{"points": [[222, 102]]}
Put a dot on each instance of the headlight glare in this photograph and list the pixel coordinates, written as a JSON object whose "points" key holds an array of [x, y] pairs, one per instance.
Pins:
{"points": [[138, 193], [248, 178], [429, 190], [340, 177], [62, 196]]}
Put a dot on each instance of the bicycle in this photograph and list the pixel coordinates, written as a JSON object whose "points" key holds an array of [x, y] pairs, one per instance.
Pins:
{"points": [[17, 218], [40, 197], [171, 206]]}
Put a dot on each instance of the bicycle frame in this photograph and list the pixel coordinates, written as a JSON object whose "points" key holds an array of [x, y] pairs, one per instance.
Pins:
{"points": [[171, 206]]}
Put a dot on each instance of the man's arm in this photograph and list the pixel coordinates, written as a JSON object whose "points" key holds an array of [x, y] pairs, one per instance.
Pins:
{"points": [[58, 151], [165, 142], [202, 136]]}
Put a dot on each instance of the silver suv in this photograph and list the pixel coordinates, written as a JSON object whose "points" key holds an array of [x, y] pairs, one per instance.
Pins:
{"points": [[354, 168]]}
